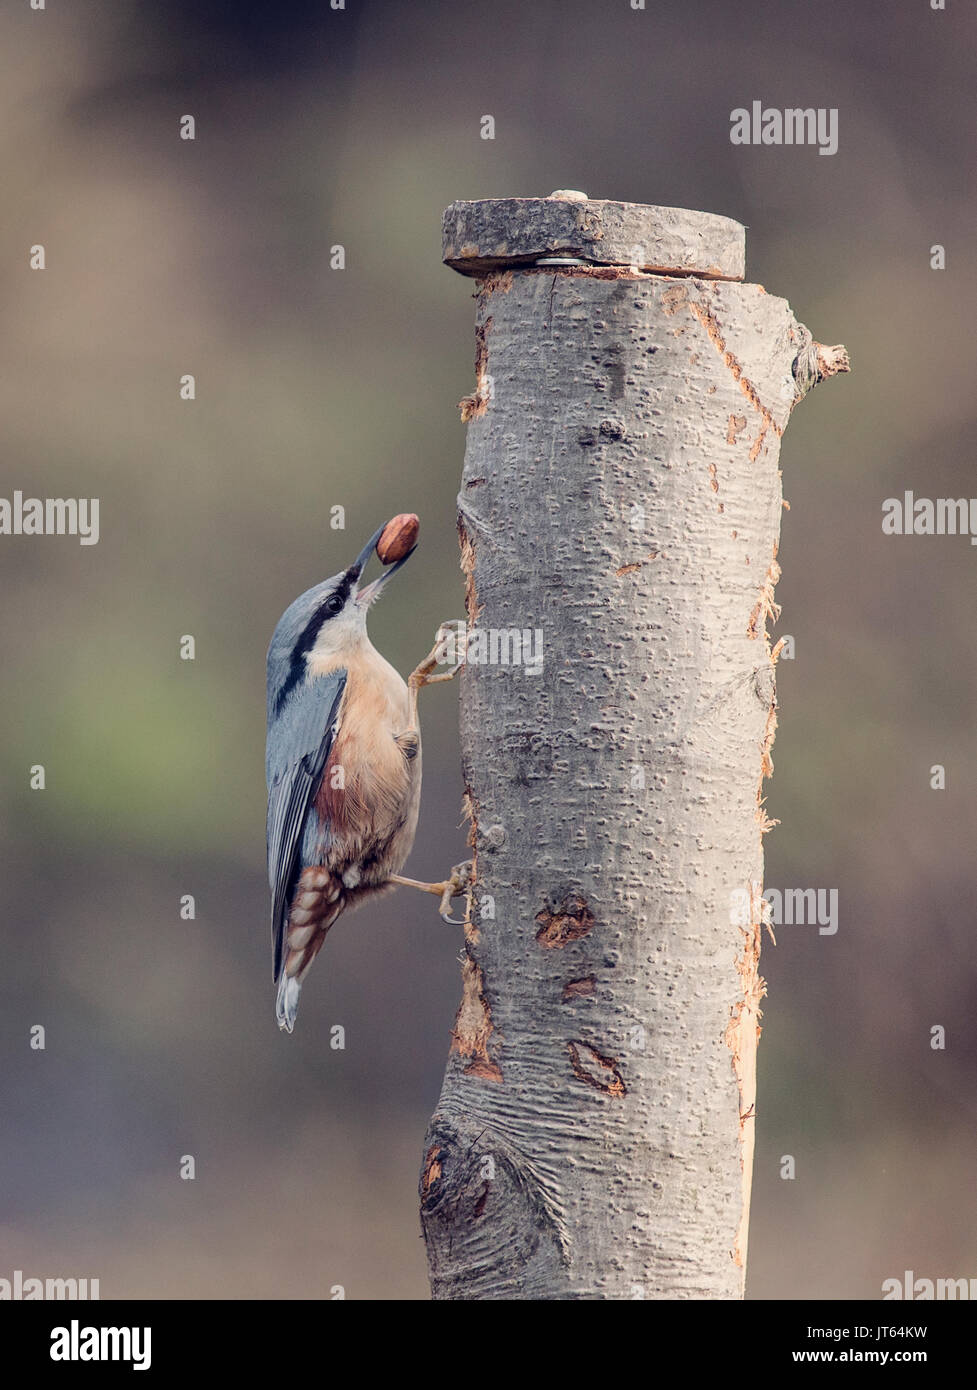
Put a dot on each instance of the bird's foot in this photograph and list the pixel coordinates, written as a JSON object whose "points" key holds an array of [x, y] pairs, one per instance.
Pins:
{"points": [[450, 644], [458, 882], [450, 647]]}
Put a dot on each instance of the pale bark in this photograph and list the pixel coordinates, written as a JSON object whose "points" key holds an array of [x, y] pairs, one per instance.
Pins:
{"points": [[621, 492]]}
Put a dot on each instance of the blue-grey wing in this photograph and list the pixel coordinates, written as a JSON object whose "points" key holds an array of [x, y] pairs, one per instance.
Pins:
{"points": [[299, 740]]}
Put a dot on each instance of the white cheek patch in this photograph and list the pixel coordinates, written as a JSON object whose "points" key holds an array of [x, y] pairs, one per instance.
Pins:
{"points": [[338, 638]]}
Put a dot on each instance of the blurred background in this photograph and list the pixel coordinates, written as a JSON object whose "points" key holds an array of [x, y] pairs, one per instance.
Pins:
{"points": [[319, 388]]}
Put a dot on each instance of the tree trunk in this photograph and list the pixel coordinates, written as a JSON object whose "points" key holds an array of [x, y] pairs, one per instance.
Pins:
{"points": [[621, 501]]}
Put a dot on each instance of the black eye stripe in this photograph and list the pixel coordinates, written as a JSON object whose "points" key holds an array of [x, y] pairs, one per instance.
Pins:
{"points": [[323, 613], [336, 601], [306, 641]]}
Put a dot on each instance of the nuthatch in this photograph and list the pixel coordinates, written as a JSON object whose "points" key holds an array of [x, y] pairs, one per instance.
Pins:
{"points": [[343, 763]]}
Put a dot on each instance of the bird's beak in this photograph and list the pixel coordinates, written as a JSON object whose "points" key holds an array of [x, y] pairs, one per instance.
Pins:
{"points": [[366, 596]]}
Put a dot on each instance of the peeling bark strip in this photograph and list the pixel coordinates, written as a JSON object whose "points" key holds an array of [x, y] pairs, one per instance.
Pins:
{"points": [[473, 1025], [603, 1073], [570, 920], [477, 403], [621, 492], [579, 989]]}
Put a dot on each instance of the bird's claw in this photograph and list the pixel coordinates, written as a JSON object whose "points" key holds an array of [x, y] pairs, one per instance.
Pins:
{"points": [[460, 881], [451, 645], [450, 648]]}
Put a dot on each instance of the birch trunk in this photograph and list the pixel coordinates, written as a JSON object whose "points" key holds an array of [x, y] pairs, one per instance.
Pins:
{"points": [[621, 497]]}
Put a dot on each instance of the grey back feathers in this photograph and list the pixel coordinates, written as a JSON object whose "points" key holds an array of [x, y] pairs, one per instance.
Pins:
{"points": [[298, 747], [302, 718]]}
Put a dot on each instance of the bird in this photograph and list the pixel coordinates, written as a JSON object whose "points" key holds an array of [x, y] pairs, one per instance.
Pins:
{"points": [[342, 763]]}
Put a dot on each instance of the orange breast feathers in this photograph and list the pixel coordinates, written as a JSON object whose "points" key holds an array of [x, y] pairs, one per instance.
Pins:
{"points": [[366, 790]]}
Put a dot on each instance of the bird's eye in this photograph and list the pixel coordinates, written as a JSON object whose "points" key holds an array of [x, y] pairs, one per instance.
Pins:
{"points": [[334, 604]]}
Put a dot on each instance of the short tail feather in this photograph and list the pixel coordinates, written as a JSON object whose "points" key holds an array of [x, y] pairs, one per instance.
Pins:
{"points": [[287, 1004]]}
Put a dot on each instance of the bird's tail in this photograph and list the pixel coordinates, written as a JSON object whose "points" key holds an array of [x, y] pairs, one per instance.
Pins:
{"points": [[287, 1004]]}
